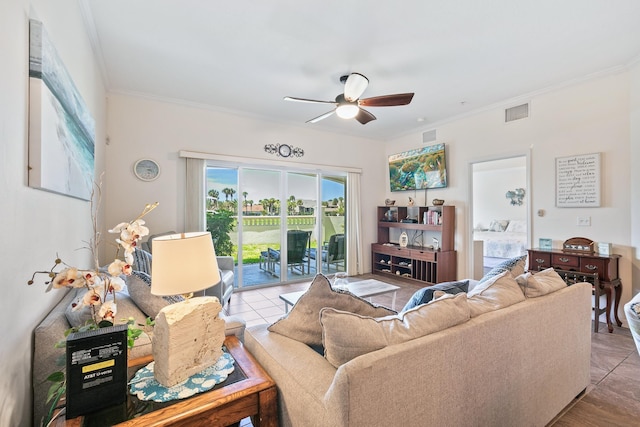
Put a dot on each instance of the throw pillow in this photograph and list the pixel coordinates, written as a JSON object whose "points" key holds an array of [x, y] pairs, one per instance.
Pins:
{"points": [[139, 286], [142, 260], [125, 309], [498, 225], [302, 323], [498, 292], [425, 295], [513, 265], [542, 283], [347, 335]]}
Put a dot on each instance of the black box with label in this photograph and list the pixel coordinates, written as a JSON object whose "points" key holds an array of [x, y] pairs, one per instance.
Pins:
{"points": [[96, 369]]}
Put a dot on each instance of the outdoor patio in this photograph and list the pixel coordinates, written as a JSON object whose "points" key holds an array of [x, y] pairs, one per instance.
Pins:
{"points": [[254, 276]]}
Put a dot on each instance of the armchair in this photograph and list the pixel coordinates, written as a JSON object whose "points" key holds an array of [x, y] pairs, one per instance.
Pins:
{"points": [[223, 289], [297, 246], [332, 252]]}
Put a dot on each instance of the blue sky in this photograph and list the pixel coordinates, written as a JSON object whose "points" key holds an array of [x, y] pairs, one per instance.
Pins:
{"points": [[262, 184]]}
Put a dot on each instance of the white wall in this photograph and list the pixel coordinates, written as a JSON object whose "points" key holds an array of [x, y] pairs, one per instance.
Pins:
{"points": [[634, 158], [36, 224], [141, 128], [588, 117]]}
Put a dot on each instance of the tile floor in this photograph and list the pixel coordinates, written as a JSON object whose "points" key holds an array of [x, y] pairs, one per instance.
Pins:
{"points": [[612, 399]]}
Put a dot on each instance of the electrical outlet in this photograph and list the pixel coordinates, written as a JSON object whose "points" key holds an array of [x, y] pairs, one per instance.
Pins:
{"points": [[584, 221]]}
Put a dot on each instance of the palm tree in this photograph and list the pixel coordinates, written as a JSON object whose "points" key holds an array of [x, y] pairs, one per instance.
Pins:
{"points": [[244, 195], [212, 200]]}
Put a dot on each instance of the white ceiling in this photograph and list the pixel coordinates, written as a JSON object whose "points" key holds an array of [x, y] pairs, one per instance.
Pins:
{"points": [[457, 56]]}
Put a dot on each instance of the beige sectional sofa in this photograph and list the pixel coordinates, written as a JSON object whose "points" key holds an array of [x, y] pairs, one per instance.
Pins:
{"points": [[515, 366]]}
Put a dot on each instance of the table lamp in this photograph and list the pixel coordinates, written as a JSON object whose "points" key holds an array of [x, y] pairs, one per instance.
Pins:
{"points": [[188, 335]]}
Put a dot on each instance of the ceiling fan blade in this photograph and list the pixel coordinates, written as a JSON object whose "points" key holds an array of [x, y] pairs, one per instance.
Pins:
{"points": [[312, 101], [322, 117], [364, 116], [355, 86], [387, 100]]}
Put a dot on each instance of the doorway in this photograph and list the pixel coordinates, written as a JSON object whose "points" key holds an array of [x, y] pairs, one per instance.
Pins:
{"points": [[281, 225], [499, 221]]}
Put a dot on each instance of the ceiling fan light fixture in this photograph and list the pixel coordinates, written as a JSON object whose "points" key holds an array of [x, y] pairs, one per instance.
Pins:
{"points": [[354, 86], [347, 111]]}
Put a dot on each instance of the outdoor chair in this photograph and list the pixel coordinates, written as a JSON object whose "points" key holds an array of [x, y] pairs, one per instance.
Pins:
{"points": [[297, 246], [332, 252]]}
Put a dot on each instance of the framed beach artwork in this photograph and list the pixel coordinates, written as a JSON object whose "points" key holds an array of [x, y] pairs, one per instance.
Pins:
{"points": [[61, 128]]}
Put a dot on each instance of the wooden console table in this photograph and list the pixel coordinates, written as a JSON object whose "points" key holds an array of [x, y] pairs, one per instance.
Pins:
{"points": [[605, 266]]}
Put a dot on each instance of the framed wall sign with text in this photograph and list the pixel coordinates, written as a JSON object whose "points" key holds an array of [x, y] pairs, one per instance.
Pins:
{"points": [[578, 181]]}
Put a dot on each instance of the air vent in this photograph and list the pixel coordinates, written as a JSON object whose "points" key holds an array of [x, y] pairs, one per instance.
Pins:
{"points": [[429, 136], [516, 113]]}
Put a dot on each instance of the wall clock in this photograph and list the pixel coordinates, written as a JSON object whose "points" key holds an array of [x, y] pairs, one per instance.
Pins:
{"points": [[146, 169], [284, 150]]}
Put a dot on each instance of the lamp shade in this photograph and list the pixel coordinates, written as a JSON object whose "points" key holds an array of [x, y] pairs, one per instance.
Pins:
{"points": [[183, 263]]}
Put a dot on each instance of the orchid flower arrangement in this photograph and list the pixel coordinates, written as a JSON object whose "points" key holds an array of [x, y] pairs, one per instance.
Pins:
{"points": [[101, 287]]}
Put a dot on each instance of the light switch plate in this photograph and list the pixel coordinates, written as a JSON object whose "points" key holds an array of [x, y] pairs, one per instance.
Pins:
{"points": [[584, 221]]}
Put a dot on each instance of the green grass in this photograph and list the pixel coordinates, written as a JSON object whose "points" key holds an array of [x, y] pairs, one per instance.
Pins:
{"points": [[251, 253]]}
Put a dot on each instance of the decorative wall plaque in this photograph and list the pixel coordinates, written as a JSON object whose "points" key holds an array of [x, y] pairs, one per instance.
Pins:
{"points": [[578, 181]]}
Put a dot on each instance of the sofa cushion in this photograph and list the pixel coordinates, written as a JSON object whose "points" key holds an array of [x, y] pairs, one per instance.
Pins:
{"points": [[497, 292], [514, 265], [348, 335], [126, 309], [542, 283], [302, 323], [139, 286], [425, 295]]}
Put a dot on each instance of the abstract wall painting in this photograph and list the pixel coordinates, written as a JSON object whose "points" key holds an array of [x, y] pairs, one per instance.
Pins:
{"points": [[61, 128]]}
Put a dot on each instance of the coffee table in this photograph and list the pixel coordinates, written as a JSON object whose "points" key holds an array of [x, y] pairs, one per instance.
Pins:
{"points": [[248, 392], [363, 289]]}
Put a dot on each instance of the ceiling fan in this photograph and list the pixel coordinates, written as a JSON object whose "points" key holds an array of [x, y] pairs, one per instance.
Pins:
{"points": [[348, 104]]}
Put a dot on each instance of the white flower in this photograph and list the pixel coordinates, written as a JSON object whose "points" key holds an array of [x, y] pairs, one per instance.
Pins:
{"points": [[118, 267], [101, 287], [115, 284], [69, 277], [108, 310]]}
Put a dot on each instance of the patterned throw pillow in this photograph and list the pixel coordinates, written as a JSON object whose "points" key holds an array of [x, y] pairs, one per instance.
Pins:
{"points": [[142, 260], [302, 323], [139, 286], [425, 295], [515, 266]]}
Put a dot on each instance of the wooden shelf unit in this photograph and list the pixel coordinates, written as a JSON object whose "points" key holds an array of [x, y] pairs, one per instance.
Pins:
{"points": [[416, 263]]}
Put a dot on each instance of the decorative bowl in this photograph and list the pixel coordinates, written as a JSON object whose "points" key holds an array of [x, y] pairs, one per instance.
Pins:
{"points": [[389, 202], [438, 202]]}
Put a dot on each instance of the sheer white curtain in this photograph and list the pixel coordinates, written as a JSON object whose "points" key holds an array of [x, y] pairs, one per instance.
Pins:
{"points": [[194, 206], [355, 262]]}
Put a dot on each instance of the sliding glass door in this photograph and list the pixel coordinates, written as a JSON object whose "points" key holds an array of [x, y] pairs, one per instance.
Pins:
{"points": [[274, 223]]}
